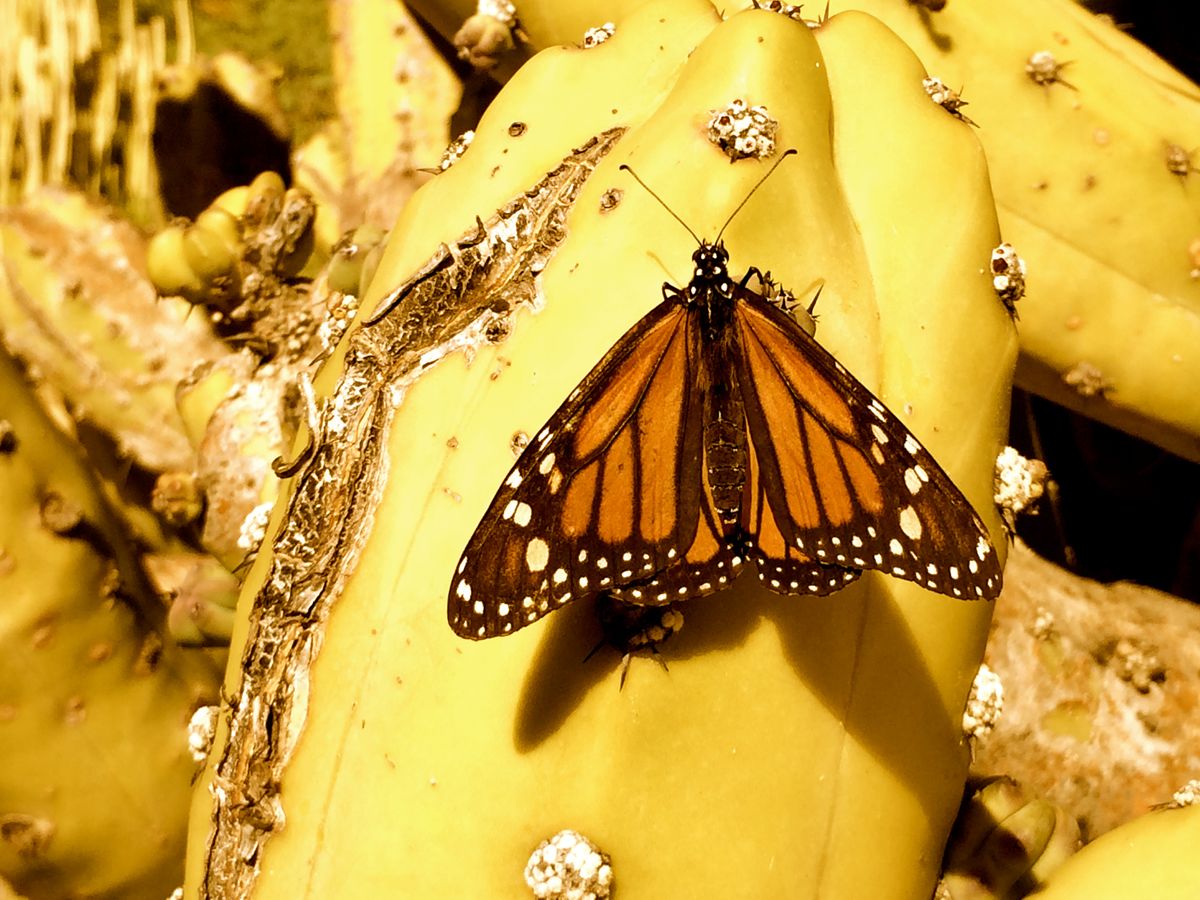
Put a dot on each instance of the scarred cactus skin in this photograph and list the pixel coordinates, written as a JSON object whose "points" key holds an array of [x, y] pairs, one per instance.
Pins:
{"points": [[794, 748], [94, 703]]}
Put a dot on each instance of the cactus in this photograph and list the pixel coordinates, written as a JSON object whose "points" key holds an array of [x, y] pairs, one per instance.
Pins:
{"points": [[1096, 210], [71, 106], [1087, 145], [825, 731], [395, 96], [94, 765], [1151, 856], [1005, 843], [77, 309]]}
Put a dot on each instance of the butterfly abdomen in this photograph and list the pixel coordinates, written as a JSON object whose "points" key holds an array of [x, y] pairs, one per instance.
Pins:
{"points": [[724, 438], [725, 466]]}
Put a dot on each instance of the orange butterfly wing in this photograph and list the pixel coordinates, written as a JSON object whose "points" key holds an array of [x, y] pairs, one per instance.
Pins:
{"points": [[836, 479], [603, 496]]}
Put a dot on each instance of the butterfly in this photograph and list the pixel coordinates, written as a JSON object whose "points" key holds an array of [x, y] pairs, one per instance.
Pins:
{"points": [[715, 433]]}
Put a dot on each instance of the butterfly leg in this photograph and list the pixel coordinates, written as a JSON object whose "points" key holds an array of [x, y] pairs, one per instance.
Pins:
{"points": [[630, 629]]}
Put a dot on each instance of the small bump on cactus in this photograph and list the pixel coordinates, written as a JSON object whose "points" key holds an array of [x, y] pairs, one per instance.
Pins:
{"points": [[569, 867], [1008, 276], [597, 35], [947, 98], [1020, 483], [743, 131], [1042, 68], [985, 704]]}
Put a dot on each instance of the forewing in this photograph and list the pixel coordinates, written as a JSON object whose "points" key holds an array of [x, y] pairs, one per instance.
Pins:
{"points": [[838, 476], [605, 494]]}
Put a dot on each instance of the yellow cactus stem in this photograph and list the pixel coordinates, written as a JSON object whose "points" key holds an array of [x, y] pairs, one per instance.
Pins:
{"points": [[77, 308], [1151, 856], [95, 773], [1086, 191], [395, 96], [827, 732]]}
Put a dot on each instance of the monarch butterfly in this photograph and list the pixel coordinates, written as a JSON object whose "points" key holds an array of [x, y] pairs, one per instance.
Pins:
{"points": [[716, 431]]}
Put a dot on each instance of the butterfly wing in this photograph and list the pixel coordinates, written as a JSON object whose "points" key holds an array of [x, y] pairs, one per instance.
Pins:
{"points": [[836, 479], [606, 494], [709, 564]]}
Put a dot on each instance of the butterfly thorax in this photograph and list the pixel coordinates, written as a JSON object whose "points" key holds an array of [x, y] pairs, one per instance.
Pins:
{"points": [[711, 290]]}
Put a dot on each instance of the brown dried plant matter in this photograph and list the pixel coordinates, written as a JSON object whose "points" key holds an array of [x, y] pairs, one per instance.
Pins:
{"points": [[1101, 685]]}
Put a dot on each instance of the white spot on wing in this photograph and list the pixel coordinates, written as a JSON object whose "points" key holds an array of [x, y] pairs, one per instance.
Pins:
{"points": [[523, 514], [546, 464], [537, 555], [912, 481], [910, 524]]}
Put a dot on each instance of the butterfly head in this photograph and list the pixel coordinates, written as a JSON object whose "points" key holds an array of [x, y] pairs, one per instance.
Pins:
{"points": [[712, 269]]}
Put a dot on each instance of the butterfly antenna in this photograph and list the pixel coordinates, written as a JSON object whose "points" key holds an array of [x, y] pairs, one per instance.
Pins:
{"points": [[661, 202], [746, 200]]}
